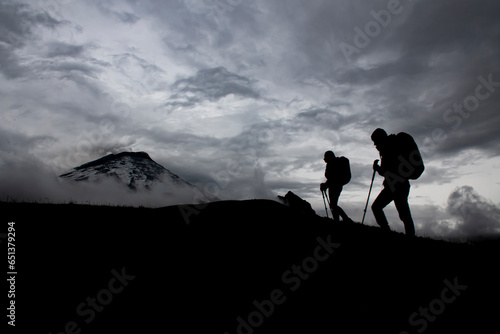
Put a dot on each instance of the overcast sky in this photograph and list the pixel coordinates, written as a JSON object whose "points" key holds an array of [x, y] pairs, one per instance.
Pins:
{"points": [[243, 97]]}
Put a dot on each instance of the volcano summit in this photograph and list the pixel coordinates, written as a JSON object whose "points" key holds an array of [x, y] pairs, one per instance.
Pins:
{"points": [[138, 172], [135, 169]]}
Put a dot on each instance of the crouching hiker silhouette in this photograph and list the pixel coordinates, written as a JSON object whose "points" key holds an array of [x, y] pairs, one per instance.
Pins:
{"points": [[400, 162], [338, 174]]}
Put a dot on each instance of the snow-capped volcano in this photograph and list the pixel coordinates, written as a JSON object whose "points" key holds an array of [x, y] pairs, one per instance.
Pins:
{"points": [[139, 173], [135, 169]]}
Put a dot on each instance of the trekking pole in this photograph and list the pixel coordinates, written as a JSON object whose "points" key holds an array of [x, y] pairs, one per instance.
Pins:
{"points": [[369, 192], [328, 201], [322, 193]]}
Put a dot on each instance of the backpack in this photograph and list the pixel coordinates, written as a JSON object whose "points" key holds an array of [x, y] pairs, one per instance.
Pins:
{"points": [[411, 164], [344, 170]]}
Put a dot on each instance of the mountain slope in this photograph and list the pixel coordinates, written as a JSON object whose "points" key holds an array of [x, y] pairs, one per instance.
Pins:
{"points": [[135, 169], [246, 267], [138, 172]]}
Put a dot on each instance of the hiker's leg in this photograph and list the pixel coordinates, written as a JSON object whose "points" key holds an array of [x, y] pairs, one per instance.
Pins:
{"points": [[383, 199], [334, 193], [342, 214], [339, 209], [401, 202]]}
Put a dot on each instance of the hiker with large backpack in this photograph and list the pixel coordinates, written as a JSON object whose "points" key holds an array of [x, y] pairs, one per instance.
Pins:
{"points": [[400, 162], [338, 174]]}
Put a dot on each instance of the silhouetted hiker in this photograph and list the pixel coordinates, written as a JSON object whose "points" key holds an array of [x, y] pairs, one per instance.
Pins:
{"points": [[401, 161], [338, 174]]}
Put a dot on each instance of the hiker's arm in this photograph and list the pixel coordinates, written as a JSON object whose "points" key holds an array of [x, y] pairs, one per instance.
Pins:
{"points": [[378, 168], [323, 186]]}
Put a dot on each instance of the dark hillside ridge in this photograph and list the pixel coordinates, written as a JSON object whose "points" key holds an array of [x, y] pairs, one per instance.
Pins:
{"points": [[243, 267]]}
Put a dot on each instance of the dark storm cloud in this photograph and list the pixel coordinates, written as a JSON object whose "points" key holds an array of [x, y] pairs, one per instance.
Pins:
{"points": [[9, 64], [129, 18], [12, 21], [442, 28], [178, 140], [68, 68], [123, 16], [205, 36], [210, 84], [190, 27], [16, 26], [467, 121], [425, 31], [423, 61], [477, 216], [322, 117], [325, 118], [18, 145], [216, 83], [482, 136], [432, 61], [58, 49], [19, 22], [143, 73]]}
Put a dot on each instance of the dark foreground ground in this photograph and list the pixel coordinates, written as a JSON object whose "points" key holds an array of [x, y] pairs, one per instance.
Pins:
{"points": [[239, 267]]}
